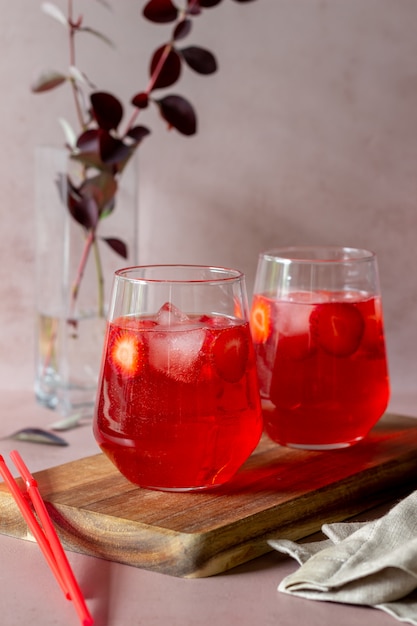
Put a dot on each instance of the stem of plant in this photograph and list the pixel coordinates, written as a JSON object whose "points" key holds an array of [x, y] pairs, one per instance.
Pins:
{"points": [[91, 238], [72, 59], [80, 272], [152, 81], [100, 279], [159, 67], [53, 332]]}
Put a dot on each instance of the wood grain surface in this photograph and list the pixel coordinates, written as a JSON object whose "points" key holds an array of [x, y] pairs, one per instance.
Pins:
{"points": [[280, 492]]}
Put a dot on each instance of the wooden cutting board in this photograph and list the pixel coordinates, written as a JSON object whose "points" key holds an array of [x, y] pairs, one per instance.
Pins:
{"points": [[279, 492]]}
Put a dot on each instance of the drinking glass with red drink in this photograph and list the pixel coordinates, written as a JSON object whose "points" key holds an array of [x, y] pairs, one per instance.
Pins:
{"points": [[178, 405], [317, 327]]}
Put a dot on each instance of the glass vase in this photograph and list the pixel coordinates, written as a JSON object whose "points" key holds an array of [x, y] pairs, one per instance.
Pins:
{"points": [[74, 272]]}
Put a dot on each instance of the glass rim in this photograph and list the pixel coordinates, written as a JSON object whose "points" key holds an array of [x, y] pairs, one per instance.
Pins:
{"points": [[224, 274], [320, 254]]}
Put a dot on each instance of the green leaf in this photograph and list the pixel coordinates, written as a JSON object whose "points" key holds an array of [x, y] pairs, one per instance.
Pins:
{"points": [[105, 4], [72, 421], [53, 11], [102, 188], [70, 135], [90, 160], [38, 435], [48, 79], [76, 75], [97, 33]]}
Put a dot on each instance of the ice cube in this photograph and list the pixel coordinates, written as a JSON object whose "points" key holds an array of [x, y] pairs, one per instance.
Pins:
{"points": [[170, 315], [292, 318], [176, 352]]}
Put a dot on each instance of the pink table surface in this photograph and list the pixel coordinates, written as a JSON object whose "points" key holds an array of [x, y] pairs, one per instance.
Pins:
{"points": [[118, 595]]}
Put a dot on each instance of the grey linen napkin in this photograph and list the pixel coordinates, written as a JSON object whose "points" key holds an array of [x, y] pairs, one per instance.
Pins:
{"points": [[368, 563]]}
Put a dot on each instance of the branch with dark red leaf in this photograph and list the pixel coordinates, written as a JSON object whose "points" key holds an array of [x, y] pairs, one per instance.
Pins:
{"points": [[101, 147]]}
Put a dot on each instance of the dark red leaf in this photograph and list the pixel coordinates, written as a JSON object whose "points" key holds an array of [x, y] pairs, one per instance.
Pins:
{"points": [[107, 110], [179, 113], [170, 70], [137, 133], [199, 59], [83, 208], [140, 100], [209, 3], [93, 199], [89, 141], [112, 150], [160, 11], [85, 213], [182, 29], [117, 245], [193, 7]]}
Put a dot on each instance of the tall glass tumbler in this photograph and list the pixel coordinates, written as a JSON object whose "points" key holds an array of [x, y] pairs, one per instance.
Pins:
{"points": [[317, 326], [178, 405]]}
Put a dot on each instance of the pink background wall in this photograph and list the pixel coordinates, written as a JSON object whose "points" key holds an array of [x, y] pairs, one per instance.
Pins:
{"points": [[308, 134]]}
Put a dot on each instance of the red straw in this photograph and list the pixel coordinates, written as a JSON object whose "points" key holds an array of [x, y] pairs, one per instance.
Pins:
{"points": [[45, 534]]}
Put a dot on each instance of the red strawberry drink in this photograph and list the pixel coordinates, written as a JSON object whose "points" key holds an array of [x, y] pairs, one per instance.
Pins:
{"points": [[178, 405], [321, 354]]}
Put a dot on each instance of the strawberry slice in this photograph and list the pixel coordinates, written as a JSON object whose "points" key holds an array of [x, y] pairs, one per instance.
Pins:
{"points": [[260, 319], [337, 327], [126, 351], [230, 353]]}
